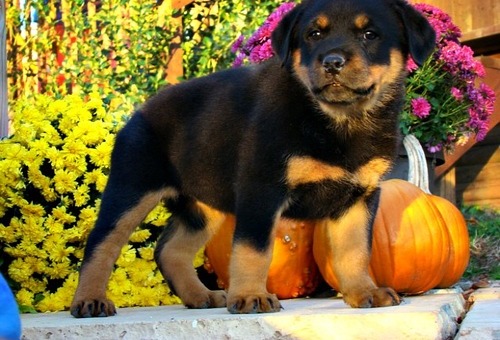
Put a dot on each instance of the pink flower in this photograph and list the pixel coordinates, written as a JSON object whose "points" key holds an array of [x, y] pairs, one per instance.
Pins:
{"points": [[459, 61], [258, 47], [420, 107], [441, 22], [457, 94], [411, 65]]}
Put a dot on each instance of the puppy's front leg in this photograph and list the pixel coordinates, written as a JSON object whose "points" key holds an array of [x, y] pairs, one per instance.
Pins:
{"points": [[349, 237], [250, 260]]}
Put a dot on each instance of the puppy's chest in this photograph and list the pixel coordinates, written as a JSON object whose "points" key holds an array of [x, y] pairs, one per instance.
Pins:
{"points": [[306, 170], [318, 189]]}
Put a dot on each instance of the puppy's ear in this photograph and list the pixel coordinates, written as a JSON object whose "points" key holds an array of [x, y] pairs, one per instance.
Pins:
{"points": [[419, 33], [284, 36]]}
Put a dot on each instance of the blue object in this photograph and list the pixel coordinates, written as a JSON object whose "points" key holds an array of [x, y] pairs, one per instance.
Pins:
{"points": [[10, 322]]}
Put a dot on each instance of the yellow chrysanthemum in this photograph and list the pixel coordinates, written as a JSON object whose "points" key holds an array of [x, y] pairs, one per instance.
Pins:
{"points": [[60, 253], [81, 195], [35, 285], [199, 259], [42, 182], [158, 216], [58, 270], [96, 177], [52, 302], [54, 167], [147, 253], [87, 217], [101, 154], [139, 236], [25, 297], [101, 182], [126, 257], [31, 209], [119, 283], [60, 214], [64, 181], [8, 234], [19, 271], [141, 272], [32, 228]]}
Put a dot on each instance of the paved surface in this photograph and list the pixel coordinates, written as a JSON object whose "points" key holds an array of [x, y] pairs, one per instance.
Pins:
{"points": [[482, 322], [431, 316]]}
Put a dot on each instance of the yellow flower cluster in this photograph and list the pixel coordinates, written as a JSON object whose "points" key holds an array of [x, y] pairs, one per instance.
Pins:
{"points": [[54, 168]]}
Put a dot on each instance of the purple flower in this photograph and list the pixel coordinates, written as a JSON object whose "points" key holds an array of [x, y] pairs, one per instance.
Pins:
{"points": [[434, 148], [237, 44], [420, 107], [483, 99]]}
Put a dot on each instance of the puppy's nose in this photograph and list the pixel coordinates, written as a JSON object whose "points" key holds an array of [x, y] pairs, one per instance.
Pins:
{"points": [[333, 63]]}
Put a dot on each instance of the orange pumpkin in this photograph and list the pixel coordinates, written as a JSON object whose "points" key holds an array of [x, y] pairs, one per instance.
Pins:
{"points": [[293, 272], [459, 241], [419, 241]]}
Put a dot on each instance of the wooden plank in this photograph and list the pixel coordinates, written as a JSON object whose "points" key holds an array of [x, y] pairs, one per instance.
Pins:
{"points": [[481, 32], [470, 15], [175, 69], [482, 190], [481, 155], [447, 186], [480, 172], [178, 4], [491, 203]]}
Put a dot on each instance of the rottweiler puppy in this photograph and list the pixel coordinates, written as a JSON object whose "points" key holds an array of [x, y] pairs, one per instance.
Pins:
{"points": [[307, 134]]}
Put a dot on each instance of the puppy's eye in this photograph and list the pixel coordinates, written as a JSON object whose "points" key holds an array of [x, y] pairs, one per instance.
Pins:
{"points": [[370, 35], [314, 35]]}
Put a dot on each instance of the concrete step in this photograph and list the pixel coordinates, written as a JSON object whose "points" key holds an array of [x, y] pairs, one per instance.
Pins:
{"points": [[483, 320], [430, 316]]}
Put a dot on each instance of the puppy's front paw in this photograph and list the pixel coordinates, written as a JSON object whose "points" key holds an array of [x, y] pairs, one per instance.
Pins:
{"points": [[255, 303], [384, 297], [87, 308], [208, 299], [378, 297]]}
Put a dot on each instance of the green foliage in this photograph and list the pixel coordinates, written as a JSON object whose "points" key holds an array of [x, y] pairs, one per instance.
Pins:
{"points": [[118, 49], [211, 27], [484, 231]]}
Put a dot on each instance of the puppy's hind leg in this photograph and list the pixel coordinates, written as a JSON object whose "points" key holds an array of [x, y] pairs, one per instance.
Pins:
{"points": [[190, 227], [135, 186]]}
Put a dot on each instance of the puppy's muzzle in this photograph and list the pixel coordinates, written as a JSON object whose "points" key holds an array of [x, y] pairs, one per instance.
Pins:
{"points": [[333, 63]]}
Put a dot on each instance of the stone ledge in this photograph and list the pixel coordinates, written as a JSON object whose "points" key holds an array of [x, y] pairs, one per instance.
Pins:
{"points": [[431, 316]]}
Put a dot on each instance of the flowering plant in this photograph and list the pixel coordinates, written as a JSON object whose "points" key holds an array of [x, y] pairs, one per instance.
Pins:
{"points": [[443, 104], [54, 168]]}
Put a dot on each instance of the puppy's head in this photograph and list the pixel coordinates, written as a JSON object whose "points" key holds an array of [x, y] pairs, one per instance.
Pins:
{"points": [[352, 53]]}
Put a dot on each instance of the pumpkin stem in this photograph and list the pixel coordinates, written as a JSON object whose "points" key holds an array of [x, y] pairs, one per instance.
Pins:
{"points": [[417, 172]]}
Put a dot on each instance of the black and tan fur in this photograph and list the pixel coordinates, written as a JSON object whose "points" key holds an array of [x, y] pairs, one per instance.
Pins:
{"points": [[306, 135]]}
